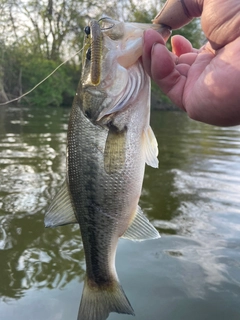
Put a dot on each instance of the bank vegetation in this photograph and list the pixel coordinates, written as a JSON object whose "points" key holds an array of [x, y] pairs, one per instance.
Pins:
{"points": [[38, 35]]}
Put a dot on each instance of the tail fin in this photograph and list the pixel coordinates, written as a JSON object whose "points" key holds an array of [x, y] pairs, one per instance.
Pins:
{"points": [[98, 302]]}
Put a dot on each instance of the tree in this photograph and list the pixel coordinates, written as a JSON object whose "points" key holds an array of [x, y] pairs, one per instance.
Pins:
{"points": [[32, 32], [41, 30]]}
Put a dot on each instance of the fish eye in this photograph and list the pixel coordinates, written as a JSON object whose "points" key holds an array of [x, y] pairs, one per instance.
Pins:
{"points": [[88, 54], [87, 30]]}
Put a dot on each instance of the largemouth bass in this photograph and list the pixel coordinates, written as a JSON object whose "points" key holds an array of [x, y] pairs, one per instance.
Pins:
{"points": [[109, 141]]}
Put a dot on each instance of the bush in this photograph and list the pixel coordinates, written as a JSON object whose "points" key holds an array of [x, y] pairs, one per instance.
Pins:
{"points": [[54, 90]]}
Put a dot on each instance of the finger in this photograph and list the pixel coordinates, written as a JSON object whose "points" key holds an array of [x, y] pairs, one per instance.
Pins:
{"points": [[173, 14], [170, 78], [177, 13], [181, 45], [150, 37], [183, 69], [187, 58]]}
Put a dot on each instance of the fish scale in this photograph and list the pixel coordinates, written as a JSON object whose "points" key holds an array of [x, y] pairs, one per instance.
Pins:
{"points": [[85, 195]]}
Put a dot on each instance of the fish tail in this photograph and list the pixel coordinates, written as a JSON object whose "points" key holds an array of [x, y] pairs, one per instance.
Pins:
{"points": [[98, 301]]}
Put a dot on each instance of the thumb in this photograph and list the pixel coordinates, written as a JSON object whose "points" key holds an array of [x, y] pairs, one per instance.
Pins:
{"points": [[177, 13]]}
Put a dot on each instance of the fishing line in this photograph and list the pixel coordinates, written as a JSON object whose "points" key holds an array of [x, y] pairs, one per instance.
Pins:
{"points": [[37, 85]]}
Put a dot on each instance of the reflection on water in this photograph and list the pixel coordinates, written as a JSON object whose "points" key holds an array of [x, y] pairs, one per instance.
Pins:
{"points": [[192, 272], [32, 162]]}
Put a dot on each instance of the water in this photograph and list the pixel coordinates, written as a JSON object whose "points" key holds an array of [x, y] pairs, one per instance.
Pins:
{"points": [[192, 272]]}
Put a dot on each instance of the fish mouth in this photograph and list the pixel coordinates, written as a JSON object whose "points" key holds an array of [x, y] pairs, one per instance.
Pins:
{"points": [[95, 49], [115, 31]]}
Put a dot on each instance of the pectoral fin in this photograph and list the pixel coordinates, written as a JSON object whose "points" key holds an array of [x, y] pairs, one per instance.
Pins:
{"points": [[141, 229], [150, 147], [115, 150], [60, 211]]}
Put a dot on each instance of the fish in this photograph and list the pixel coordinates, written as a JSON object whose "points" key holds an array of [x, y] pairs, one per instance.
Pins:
{"points": [[109, 140]]}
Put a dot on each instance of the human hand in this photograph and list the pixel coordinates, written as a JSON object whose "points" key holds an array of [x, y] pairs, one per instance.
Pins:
{"points": [[205, 83]]}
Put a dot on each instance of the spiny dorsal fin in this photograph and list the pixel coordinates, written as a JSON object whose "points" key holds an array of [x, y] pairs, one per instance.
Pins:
{"points": [[60, 211], [150, 147], [141, 229]]}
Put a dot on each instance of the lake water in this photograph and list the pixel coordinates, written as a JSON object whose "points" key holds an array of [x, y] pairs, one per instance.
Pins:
{"points": [[193, 199]]}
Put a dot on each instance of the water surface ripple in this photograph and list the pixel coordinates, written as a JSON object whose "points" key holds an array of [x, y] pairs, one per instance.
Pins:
{"points": [[192, 272]]}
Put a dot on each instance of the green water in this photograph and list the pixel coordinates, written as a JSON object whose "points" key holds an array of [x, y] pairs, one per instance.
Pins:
{"points": [[193, 199]]}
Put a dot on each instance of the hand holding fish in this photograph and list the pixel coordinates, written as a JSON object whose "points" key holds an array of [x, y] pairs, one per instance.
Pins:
{"points": [[204, 82]]}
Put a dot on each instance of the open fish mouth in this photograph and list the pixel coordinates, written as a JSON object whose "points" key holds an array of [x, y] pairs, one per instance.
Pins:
{"points": [[94, 44], [94, 41]]}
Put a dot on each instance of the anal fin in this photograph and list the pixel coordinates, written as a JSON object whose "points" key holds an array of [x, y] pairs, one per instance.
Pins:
{"points": [[60, 212], [141, 229]]}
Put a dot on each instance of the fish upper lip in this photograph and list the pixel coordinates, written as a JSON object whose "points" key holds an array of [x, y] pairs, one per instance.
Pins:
{"points": [[106, 18]]}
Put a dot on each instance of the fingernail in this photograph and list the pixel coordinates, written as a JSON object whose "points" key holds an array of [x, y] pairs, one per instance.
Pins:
{"points": [[156, 46]]}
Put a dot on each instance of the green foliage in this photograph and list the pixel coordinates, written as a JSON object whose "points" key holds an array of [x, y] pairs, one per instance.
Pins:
{"points": [[11, 65], [54, 89], [138, 13], [40, 35], [22, 71]]}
